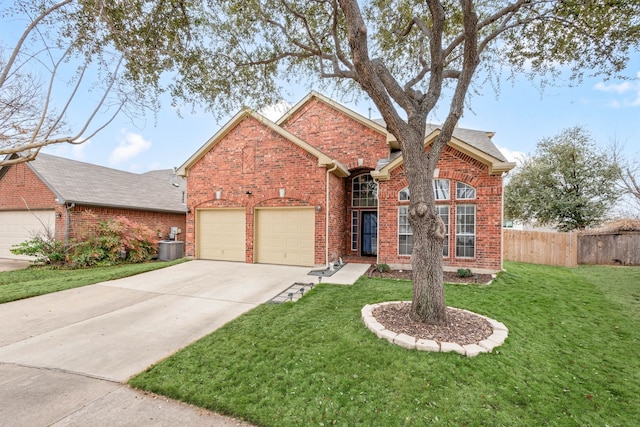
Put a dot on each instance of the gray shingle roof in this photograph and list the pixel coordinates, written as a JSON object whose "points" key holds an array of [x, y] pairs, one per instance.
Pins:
{"points": [[475, 138], [88, 184]]}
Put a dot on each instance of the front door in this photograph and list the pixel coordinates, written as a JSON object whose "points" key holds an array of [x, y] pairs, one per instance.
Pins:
{"points": [[369, 234]]}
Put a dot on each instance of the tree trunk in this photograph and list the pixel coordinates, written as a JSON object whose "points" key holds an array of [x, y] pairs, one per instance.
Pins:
{"points": [[428, 304]]}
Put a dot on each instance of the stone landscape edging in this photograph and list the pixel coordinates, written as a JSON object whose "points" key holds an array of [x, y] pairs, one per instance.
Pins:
{"points": [[497, 338]]}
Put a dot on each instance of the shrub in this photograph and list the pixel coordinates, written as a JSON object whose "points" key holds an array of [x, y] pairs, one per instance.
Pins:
{"points": [[45, 251], [383, 268], [464, 272], [114, 241]]}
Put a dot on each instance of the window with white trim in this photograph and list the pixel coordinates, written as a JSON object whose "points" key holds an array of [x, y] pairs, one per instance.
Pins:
{"points": [[403, 194], [441, 189], [354, 230], [364, 191], [465, 231], [443, 211], [405, 234], [464, 191]]}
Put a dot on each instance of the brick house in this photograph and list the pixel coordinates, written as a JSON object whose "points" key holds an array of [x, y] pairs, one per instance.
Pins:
{"points": [[62, 196], [324, 182]]}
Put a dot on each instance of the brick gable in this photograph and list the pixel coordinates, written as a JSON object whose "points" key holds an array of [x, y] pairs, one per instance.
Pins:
{"points": [[22, 189], [337, 135], [251, 157], [456, 167]]}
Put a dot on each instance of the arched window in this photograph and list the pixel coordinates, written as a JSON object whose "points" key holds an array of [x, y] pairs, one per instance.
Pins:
{"points": [[464, 191], [364, 191], [404, 194]]}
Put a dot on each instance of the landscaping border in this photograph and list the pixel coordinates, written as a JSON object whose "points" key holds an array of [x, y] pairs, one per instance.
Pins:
{"points": [[497, 338]]}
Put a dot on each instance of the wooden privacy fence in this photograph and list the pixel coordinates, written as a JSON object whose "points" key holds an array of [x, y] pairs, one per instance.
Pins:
{"points": [[541, 247], [622, 248]]}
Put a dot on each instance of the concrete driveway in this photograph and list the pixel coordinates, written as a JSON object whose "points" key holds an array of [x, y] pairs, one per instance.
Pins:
{"points": [[64, 356], [8, 264]]}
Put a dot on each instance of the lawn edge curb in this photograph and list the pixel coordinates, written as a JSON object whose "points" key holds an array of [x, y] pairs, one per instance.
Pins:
{"points": [[497, 338]]}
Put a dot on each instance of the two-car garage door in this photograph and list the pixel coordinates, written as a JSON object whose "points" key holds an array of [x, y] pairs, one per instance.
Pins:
{"points": [[281, 235], [19, 226]]}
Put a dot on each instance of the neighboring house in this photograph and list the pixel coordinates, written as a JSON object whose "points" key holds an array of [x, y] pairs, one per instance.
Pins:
{"points": [[324, 182], [54, 195]]}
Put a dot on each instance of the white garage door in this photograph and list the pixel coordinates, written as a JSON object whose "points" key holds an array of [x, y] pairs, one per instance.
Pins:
{"points": [[221, 234], [19, 226], [285, 236]]}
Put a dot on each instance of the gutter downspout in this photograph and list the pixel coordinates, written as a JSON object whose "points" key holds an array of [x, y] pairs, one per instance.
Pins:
{"points": [[67, 208], [326, 208], [502, 223]]}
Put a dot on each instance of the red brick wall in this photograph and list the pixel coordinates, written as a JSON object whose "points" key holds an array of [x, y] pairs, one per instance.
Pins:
{"points": [[21, 189], [83, 217], [454, 166], [253, 158], [337, 135], [338, 221]]}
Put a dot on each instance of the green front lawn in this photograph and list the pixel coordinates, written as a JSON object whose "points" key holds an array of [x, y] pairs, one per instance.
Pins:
{"points": [[571, 358], [34, 281]]}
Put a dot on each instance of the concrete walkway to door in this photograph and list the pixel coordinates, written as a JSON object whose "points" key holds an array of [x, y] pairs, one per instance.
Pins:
{"points": [[65, 356]]}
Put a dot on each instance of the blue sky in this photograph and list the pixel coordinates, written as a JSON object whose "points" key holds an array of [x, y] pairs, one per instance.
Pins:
{"points": [[520, 114]]}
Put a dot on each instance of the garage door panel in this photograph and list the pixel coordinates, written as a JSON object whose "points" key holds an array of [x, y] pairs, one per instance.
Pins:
{"points": [[285, 236], [19, 226], [222, 234]]}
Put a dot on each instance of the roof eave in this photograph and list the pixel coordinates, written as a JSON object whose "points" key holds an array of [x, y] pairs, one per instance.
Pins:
{"points": [[501, 167], [133, 208]]}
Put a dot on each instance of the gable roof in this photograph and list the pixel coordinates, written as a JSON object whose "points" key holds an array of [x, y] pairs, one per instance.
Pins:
{"points": [[323, 159], [83, 183], [380, 128], [474, 143]]}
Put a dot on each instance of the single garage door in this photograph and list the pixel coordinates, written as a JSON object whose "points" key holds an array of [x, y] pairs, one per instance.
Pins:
{"points": [[221, 234], [19, 226], [285, 236]]}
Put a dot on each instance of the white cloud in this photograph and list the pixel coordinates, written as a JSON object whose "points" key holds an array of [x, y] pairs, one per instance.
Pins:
{"points": [[628, 90], [513, 155], [130, 145], [275, 111]]}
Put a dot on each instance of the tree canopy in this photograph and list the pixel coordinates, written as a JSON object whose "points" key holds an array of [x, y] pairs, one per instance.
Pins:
{"points": [[61, 80], [567, 183], [408, 56]]}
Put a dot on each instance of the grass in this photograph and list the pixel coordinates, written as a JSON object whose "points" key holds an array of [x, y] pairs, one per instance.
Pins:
{"points": [[34, 281], [571, 358]]}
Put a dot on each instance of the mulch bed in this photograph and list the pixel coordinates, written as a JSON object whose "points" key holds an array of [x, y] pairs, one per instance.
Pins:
{"points": [[449, 276], [461, 327]]}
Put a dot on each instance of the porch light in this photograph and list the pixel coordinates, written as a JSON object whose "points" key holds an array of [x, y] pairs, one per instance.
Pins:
{"points": [[319, 208]]}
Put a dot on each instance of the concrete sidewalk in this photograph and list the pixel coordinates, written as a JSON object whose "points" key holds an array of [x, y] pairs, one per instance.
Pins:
{"points": [[65, 356]]}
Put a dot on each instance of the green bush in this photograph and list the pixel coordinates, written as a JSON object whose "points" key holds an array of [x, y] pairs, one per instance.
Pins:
{"points": [[464, 272], [45, 251], [383, 268]]}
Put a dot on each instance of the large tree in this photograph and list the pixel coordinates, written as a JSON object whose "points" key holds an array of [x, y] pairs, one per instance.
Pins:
{"points": [[629, 178], [408, 56], [61, 79], [567, 183]]}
